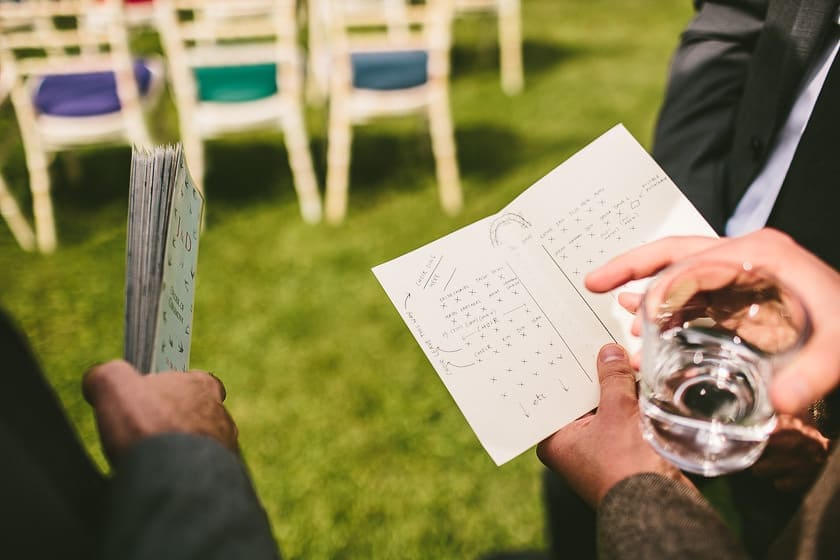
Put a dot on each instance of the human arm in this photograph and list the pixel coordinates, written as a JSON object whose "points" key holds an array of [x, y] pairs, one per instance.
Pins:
{"points": [[696, 122], [182, 495], [646, 508], [179, 488]]}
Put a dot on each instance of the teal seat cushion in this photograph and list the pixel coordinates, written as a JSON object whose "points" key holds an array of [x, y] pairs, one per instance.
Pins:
{"points": [[235, 84], [389, 70]]}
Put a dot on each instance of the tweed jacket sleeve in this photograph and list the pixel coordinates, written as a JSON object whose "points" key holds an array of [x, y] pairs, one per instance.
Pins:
{"points": [[650, 516]]}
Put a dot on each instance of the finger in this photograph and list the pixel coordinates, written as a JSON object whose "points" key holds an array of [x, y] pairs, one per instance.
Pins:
{"points": [[213, 383], [636, 327], [630, 301], [807, 379], [553, 449], [97, 380], [616, 377], [636, 361], [645, 261]]}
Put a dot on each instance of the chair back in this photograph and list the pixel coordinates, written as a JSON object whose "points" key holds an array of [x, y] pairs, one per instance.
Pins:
{"points": [[381, 26], [48, 46], [235, 65], [388, 60], [202, 35]]}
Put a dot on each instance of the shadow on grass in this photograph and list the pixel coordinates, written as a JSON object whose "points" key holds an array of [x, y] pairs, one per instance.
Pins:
{"points": [[538, 57], [393, 155], [91, 187], [516, 555], [89, 191], [382, 161], [247, 172], [486, 151]]}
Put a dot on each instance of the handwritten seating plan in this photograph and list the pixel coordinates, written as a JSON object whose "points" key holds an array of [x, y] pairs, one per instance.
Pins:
{"points": [[499, 307]]}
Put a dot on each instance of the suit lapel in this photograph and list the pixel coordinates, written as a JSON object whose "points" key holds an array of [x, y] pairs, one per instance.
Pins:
{"points": [[795, 31]]}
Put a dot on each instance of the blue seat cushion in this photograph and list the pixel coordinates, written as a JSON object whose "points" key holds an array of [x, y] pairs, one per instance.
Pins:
{"points": [[87, 94], [390, 70], [236, 84]]}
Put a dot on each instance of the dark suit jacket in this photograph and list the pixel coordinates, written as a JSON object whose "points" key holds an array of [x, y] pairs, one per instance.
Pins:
{"points": [[733, 81], [180, 496], [650, 516], [172, 496], [50, 492]]}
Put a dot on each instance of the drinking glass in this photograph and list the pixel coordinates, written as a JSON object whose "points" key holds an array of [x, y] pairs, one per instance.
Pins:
{"points": [[713, 335]]}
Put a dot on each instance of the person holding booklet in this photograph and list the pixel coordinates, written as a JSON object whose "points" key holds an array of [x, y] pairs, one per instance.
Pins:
{"points": [[178, 488], [647, 508]]}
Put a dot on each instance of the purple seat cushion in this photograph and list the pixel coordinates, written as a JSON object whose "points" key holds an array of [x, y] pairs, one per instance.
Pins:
{"points": [[85, 95]]}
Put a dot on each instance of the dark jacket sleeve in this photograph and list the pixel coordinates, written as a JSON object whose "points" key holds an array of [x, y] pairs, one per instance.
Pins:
{"points": [[180, 496], [708, 71], [651, 516]]}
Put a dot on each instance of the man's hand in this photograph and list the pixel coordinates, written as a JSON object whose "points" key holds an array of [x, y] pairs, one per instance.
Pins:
{"points": [[815, 370], [130, 407], [795, 453], [598, 450]]}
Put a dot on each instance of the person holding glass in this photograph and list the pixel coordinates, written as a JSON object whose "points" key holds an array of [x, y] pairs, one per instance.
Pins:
{"points": [[748, 131], [646, 506]]}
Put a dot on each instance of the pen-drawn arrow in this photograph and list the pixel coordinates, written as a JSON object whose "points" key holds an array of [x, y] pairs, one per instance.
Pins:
{"points": [[405, 302], [460, 366], [525, 412], [448, 351]]}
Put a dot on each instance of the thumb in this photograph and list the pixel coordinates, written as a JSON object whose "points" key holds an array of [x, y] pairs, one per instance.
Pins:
{"points": [[618, 384], [805, 380]]}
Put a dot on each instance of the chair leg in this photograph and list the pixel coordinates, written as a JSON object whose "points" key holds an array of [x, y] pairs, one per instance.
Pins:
{"points": [[303, 172], [339, 140], [37, 165], [443, 146], [510, 46], [17, 223], [39, 184]]}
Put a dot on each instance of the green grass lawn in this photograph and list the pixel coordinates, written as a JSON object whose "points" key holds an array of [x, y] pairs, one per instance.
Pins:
{"points": [[356, 449]]}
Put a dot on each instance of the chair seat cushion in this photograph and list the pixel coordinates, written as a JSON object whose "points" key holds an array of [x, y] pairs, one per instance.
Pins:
{"points": [[86, 94], [389, 70], [236, 84]]}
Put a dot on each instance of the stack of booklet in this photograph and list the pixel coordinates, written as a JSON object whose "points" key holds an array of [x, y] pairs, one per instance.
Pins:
{"points": [[164, 222]]}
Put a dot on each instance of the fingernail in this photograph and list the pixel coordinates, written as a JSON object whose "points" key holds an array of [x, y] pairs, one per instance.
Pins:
{"points": [[612, 353]]}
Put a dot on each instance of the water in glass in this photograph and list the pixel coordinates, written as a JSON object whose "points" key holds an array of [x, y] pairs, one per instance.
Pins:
{"points": [[705, 405]]}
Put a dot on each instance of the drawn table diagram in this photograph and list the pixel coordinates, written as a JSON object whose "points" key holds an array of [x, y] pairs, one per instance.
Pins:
{"points": [[500, 309]]}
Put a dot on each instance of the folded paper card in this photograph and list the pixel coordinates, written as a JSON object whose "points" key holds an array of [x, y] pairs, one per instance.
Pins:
{"points": [[499, 306]]}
